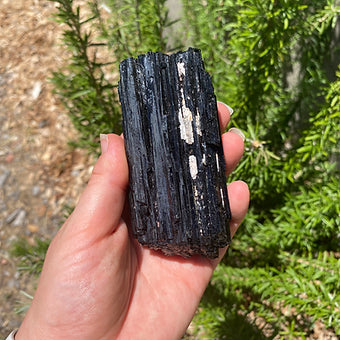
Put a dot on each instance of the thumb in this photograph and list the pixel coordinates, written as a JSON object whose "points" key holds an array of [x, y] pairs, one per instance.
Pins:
{"points": [[100, 206]]}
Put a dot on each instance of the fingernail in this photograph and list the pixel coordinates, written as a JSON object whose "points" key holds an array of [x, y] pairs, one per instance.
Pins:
{"points": [[228, 107], [104, 142], [238, 132]]}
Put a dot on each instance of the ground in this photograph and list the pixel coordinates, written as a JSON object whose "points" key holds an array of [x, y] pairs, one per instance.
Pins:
{"points": [[39, 173]]}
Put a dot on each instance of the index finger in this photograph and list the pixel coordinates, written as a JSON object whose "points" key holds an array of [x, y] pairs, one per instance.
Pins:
{"points": [[224, 113]]}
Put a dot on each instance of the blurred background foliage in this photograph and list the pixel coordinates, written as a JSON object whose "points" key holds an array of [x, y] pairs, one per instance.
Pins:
{"points": [[276, 63]]}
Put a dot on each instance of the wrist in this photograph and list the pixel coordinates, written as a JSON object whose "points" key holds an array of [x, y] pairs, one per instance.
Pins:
{"points": [[27, 331]]}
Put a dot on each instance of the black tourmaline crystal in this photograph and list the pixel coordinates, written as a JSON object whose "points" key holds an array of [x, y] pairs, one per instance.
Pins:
{"points": [[178, 194]]}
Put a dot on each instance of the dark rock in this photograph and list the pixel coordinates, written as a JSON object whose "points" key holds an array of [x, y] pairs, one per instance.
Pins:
{"points": [[178, 194], [12, 216], [20, 218]]}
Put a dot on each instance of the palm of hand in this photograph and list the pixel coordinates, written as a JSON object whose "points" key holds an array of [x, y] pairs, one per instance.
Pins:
{"points": [[98, 283], [140, 296]]}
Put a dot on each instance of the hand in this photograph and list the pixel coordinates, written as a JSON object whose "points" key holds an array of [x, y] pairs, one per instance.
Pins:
{"points": [[98, 283]]}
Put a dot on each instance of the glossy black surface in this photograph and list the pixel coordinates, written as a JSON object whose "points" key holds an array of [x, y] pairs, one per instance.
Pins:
{"points": [[178, 195]]}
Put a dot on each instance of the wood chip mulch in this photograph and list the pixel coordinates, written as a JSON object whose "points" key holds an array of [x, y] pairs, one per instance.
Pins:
{"points": [[40, 174]]}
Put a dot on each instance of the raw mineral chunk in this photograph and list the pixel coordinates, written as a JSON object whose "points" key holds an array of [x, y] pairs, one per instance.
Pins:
{"points": [[178, 195]]}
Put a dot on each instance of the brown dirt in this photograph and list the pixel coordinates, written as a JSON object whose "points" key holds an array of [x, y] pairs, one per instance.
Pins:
{"points": [[39, 173]]}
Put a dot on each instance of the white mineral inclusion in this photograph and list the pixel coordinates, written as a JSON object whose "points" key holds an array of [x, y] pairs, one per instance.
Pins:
{"points": [[184, 114], [217, 163], [193, 166], [198, 123], [222, 197], [204, 161], [181, 70]]}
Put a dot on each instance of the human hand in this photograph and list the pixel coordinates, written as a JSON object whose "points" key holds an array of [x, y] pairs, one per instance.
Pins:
{"points": [[98, 283]]}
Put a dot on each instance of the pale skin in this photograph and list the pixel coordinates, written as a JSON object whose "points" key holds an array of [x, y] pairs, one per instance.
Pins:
{"points": [[99, 283]]}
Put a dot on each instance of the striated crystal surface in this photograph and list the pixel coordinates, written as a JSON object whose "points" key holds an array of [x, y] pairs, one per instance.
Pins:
{"points": [[178, 195]]}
